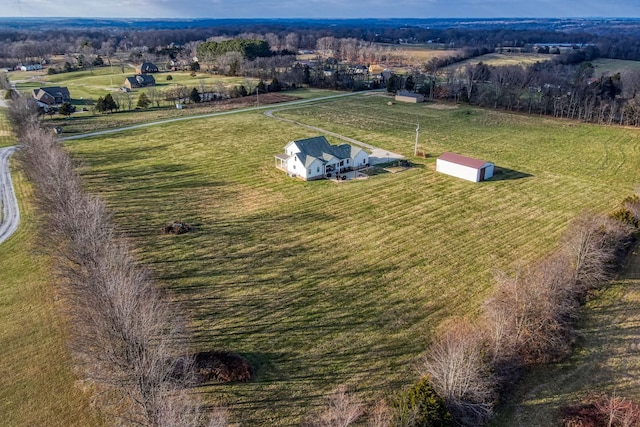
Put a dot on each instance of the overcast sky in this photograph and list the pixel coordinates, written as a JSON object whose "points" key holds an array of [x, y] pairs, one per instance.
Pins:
{"points": [[320, 8]]}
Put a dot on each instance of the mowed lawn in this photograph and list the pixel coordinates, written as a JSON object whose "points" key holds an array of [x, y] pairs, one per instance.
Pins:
{"points": [[37, 383], [320, 284], [6, 134]]}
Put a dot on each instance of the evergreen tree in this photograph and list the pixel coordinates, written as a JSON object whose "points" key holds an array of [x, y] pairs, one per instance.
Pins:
{"points": [[143, 101], [66, 109], [195, 96]]}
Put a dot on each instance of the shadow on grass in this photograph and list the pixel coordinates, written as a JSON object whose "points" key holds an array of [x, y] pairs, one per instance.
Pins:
{"points": [[505, 174]]}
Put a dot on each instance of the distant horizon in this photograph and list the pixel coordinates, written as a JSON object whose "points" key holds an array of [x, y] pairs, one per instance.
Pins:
{"points": [[293, 18], [320, 9]]}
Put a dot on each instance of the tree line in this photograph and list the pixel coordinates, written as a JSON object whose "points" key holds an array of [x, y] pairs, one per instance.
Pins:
{"points": [[26, 45], [565, 86], [131, 343]]}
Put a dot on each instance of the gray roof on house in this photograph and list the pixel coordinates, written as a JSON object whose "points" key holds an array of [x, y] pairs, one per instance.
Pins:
{"points": [[319, 148], [55, 91], [141, 80]]}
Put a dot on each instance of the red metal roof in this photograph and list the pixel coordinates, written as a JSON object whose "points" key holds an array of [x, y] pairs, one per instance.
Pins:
{"points": [[463, 160]]}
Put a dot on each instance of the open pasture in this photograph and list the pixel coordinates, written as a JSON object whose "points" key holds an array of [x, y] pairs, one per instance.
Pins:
{"points": [[91, 84], [606, 66], [502, 59], [320, 284]]}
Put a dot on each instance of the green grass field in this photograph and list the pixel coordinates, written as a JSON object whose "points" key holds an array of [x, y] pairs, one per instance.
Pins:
{"points": [[613, 66], [37, 385], [89, 122], [502, 59], [6, 136], [320, 284], [91, 84]]}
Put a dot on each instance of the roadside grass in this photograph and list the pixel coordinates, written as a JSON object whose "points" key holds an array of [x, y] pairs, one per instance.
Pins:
{"points": [[606, 66], [606, 359], [37, 386], [6, 135], [320, 284]]}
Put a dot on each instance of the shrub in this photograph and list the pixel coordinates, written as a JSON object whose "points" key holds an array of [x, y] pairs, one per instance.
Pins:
{"points": [[169, 77], [421, 406], [597, 411], [625, 216]]}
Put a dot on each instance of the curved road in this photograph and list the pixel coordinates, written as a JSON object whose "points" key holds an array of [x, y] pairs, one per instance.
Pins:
{"points": [[10, 215]]}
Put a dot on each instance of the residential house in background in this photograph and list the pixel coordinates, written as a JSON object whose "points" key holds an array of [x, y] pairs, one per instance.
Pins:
{"points": [[316, 158], [53, 95], [147, 68], [139, 80]]}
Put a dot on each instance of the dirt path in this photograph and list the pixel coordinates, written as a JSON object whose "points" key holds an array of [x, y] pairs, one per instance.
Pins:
{"points": [[9, 213]]}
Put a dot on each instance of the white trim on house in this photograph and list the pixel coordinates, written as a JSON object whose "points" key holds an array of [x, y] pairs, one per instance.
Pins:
{"points": [[315, 158]]}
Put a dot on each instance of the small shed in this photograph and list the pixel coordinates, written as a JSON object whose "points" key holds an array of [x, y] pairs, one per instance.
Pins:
{"points": [[409, 97], [464, 167]]}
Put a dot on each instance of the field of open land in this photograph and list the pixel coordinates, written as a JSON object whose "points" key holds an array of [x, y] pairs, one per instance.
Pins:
{"points": [[37, 384], [89, 122], [417, 55], [320, 284], [612, 66], [502, 59], [91, 84]]}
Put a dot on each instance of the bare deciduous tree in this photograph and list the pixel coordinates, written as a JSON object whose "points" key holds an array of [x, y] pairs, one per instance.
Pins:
{"points": [[459, 374], [341, 410]]}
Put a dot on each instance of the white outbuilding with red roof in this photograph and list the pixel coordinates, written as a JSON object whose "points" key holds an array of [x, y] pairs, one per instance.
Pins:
{"points": [[464, 167]]}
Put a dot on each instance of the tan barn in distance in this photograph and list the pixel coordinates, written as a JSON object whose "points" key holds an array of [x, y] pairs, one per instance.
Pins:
{"points": [[413, 98]]}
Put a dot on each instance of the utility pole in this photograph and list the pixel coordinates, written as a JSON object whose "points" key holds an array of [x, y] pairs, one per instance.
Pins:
{"points": [[415, 148]]}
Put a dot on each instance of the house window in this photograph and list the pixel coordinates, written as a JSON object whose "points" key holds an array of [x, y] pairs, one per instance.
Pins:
{"points": [[317, 170], [294, 165], [309, 170], [347, 161], [342, 163]]}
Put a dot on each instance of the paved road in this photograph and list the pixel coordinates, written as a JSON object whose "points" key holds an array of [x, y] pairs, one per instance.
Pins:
{"points": [[9, 213]]}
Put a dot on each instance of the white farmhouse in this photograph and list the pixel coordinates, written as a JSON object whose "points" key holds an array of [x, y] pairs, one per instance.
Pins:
{"points": [[316, 158], [468, 168]]}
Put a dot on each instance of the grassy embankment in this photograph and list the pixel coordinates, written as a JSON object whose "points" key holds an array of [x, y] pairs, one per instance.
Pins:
{"points": [[37, 386], [321, 284]]}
